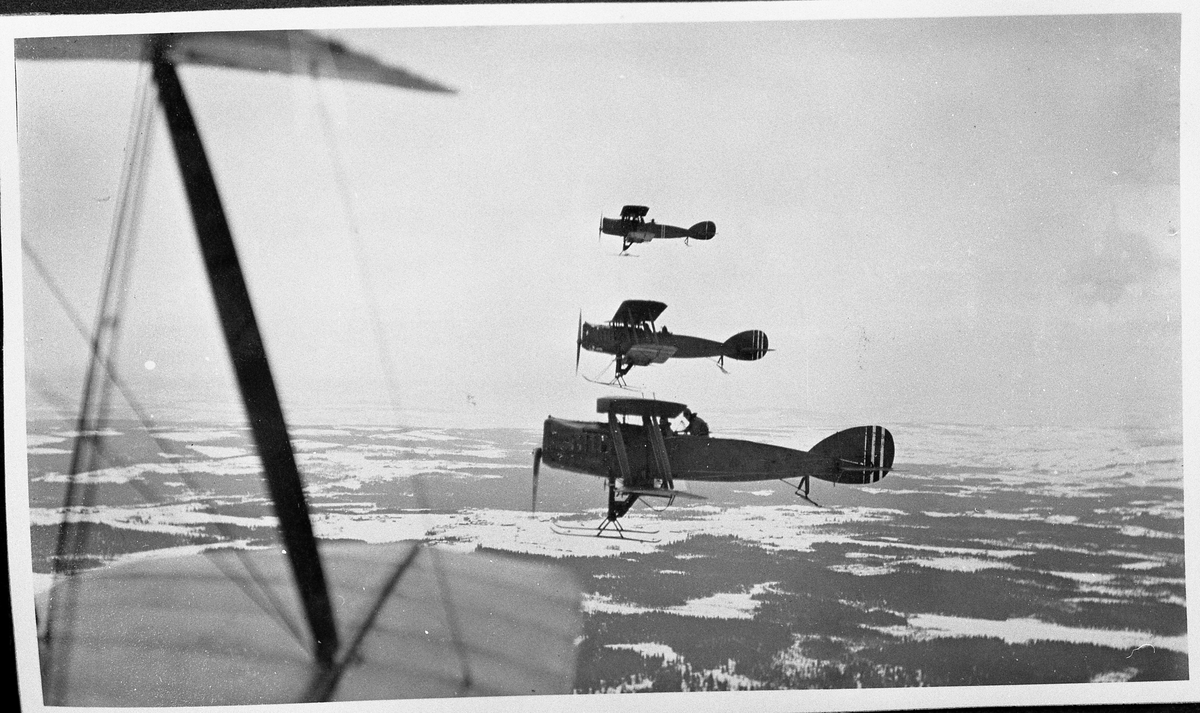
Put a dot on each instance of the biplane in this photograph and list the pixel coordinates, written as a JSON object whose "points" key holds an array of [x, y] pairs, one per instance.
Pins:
{"points": [[643, 460], [634, 340], [341, 621], [632, 228]]}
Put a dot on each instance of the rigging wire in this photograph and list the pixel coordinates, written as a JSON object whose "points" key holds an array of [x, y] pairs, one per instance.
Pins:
{"points": [[383, 353], [103, 340], [73, 536], [326, 681], [263, 595], [100, 379], [248, 357]]}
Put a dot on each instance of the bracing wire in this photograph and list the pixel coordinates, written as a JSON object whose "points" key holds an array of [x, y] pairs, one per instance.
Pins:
{"points": [[262, 594], [389, 370], [73, 536], [102, 377], [325, 683]]}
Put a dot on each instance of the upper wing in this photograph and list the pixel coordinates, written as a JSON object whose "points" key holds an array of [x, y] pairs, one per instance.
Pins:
{"points": [[634, 211], [638, 407], [283, 51], [638, 311]]}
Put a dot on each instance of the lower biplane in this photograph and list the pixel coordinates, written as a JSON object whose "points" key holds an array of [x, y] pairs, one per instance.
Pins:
{"points": [[633, 339], [632, 228], [644, 460]]}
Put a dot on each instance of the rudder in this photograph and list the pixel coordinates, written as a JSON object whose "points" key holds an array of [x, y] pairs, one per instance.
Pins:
{"points": [[864, 454], [746, 346], [703, 231]]}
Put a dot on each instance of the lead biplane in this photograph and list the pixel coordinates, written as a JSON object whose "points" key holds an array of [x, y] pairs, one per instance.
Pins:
{"points": [[634, 340], [632, 228], [644, 460], [361, 621]]}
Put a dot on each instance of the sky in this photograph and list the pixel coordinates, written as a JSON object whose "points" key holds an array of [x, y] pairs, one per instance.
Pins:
{"points": [[946, 220]]}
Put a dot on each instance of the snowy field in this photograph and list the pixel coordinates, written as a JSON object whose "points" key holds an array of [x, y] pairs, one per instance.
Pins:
{"points": [[990, 556]]}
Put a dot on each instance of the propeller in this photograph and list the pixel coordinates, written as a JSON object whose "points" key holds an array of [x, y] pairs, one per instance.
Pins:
{"points": [[537, 463], [578, 341]]}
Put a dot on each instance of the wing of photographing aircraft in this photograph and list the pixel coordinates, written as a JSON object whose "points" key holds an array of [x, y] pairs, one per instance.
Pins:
{"points": [[282, 51], [179, 632], [380, 621]]}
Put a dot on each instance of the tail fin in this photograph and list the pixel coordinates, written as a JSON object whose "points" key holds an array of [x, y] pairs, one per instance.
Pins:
{"points": [[746, 346], [863, 454], [703, 231]]}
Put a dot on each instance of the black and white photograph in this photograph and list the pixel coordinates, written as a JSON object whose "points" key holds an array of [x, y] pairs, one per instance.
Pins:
{"points": [[786, 355]]}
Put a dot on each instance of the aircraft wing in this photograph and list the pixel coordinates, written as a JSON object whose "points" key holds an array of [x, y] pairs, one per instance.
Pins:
{"points": [[633, 312], [661, 493], [179, 632], [638, 407], [282, 51]]}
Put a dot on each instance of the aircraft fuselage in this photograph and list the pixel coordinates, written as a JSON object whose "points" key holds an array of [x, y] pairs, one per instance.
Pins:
{"points": [[622, 339], [589, 448], [635, 230]]}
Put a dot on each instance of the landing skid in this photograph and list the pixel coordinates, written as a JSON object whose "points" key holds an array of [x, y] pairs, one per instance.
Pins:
{"points": [[802, 490], [810, 500], [617, 531], [615, 385]]}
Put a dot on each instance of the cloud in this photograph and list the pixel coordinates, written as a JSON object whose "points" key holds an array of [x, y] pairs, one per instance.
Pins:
{"points": [[1119, 261]]}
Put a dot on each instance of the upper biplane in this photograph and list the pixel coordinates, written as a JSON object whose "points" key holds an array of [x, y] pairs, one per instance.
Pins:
{"points": [[644, 460], [633, 339], [222, 628], [632, 228]]}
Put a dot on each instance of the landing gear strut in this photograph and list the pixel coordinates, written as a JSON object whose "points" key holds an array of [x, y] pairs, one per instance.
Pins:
{"points": [[802, 489], [621, 370], [616, 508]]}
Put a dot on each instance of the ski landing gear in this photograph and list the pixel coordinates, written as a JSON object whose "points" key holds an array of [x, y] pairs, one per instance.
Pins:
{"points": [[802, 489], [610, 527]]}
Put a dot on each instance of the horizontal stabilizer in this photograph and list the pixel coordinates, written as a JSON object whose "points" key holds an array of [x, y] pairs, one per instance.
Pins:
{"points": [[660, 493], [703, 231], [746, 346], [858, 455]]}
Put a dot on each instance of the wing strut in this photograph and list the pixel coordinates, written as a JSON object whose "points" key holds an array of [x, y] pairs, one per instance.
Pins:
{"points": [[614, 428], [247, 355], [659, 447]]}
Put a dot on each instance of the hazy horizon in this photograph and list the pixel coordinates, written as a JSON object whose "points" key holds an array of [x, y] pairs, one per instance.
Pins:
{"points": [[945, 220]]}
